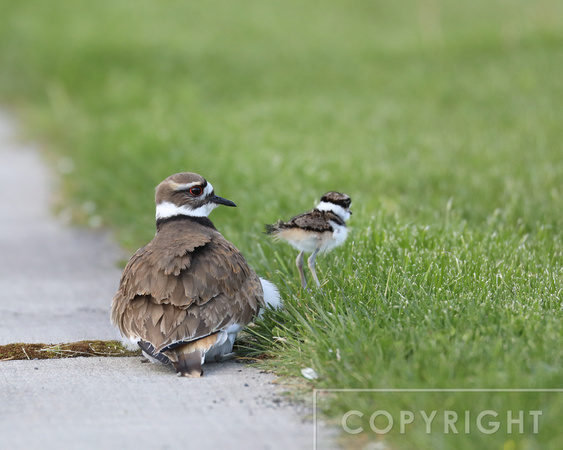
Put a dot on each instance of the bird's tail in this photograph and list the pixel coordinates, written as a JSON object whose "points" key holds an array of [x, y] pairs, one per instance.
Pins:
{"points": [[191, 356], [152, 355], [273, 228]]}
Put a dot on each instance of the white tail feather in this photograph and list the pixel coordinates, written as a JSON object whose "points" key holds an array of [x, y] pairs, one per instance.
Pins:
{"points": [[271, 294]]}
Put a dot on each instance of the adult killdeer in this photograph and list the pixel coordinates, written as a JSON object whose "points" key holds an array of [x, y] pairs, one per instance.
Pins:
{"points": [[318, 230], [187, 293]]}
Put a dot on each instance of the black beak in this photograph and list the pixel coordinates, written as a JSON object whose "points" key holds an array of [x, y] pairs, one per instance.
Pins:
{"points": [[222, 201]]}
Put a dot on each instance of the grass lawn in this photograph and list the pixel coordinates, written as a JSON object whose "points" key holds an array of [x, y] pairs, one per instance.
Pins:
{"points": [[443, 122]]}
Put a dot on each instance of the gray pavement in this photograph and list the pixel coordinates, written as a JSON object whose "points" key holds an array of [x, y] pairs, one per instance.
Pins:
{"points": [[56, 285]]}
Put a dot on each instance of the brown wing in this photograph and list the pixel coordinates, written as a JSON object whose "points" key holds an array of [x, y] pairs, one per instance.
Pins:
{"points": [[182, 292], [314, 220]]}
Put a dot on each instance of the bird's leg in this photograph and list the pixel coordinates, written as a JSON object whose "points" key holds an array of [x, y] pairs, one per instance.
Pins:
{"points": [[311, 263], [299, 262]]}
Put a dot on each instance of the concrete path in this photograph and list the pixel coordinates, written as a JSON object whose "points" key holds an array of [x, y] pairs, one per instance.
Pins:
{"points": [[56, 282], [56, 285]]}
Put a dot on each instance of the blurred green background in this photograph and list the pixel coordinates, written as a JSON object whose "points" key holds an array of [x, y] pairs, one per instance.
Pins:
{"points": [[441, 119], [404, 105]]}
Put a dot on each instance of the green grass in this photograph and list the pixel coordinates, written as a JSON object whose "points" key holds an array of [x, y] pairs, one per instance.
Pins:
{"points": [[442, 121]]}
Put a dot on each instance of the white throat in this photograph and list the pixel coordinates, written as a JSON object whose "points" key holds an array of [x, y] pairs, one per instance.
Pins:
{"points": [[165, 210], [341, 212]]}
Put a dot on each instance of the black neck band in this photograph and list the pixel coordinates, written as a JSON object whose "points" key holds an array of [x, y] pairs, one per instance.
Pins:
{"points": [[199, 220]]}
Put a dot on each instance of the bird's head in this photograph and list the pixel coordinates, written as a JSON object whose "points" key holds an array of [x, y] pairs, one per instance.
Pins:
{"points": [[186, 194], [336, 202]]}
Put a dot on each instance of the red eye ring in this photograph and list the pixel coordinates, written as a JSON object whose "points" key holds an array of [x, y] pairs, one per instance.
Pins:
{"points": [[196, 191]]}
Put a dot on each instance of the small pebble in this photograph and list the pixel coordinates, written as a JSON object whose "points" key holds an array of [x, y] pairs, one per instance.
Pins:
{"points": [[309, 373]]}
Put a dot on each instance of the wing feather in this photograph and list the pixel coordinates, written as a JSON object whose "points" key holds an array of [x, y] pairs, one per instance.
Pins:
{"points": [[185, 292]]}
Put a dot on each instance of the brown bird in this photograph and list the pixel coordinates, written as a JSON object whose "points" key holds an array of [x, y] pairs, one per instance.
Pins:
{"points": [[316, 231], [188, 292]]}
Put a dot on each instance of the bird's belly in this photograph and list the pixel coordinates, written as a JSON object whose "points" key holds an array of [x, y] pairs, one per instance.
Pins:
{"points": [[304, 240], [337, 237]]}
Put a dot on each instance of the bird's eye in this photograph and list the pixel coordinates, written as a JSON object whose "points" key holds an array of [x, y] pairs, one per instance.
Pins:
{"points": [[196, 191]]}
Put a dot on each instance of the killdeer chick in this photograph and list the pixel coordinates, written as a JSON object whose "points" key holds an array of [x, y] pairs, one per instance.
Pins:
{"points": [[316, 231], [189, 291]]}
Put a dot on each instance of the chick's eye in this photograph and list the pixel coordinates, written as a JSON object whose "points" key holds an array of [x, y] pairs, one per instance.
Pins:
{"points": [[196, 191]]}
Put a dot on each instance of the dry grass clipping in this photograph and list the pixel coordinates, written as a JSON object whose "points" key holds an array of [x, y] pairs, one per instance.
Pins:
{"points": [[67, 350]]}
